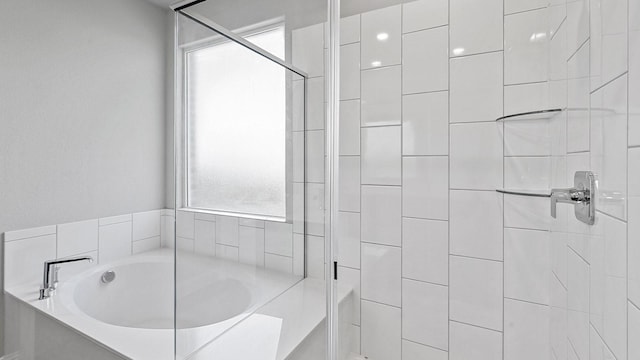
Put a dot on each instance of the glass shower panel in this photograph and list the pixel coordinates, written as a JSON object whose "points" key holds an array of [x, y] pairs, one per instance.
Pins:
{"points": [[243, 17], [240, 196]]}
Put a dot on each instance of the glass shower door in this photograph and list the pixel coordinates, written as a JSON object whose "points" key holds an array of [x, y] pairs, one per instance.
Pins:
{"points": [[249, 188]]}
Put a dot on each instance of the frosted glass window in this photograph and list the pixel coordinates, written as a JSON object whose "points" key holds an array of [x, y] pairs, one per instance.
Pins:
{"points": [[236, 128]]}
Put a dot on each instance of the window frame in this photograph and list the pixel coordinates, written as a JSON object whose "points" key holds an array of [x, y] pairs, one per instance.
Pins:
{"points": [[182, 156]]}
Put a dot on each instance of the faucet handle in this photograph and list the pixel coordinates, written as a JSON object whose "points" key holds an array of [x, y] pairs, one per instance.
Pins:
{"points": [[580, 196]]}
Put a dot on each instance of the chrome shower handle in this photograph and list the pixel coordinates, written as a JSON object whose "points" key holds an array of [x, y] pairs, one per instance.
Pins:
{"points": [[568, 196], [580, 195]]}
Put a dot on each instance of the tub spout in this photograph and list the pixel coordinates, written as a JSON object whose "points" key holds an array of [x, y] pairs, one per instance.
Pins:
{"points": [[50, 278]]}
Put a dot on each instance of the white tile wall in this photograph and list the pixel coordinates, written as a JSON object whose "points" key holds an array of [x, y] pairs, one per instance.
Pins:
{"points": [[421, 133], [526, 330], [382, 214], [350, 71], [205, 237], [414, 351], [425, 124], [381, 329], [472, 342], [525, 56], [476, 87], [476, 293], [425, 313], [105, 240], [527, 267], [381, 37], [476, 27], [424, 14], [425, 249], [76, 238], [349, 183], [476, 224], [381, 274], [514, 6], [381, 96], [114, 241], [350, 127], [476, 156], [425, 60], [308, 49], [425, 185]]}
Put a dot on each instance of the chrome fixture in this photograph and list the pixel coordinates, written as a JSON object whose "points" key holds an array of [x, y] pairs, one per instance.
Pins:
{"points": [[580, 195], [108, 276], [50, 278]]}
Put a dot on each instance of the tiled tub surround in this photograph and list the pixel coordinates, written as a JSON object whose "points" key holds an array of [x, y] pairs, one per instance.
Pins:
{"points": [[104, 239], [268, 244], [442, 265], [259, 243]]}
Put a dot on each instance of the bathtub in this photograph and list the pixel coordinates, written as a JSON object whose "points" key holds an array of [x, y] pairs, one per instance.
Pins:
{"points": [[133, 315]]}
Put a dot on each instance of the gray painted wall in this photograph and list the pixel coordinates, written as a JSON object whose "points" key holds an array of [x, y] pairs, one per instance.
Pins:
{"points": [[82, 111]]}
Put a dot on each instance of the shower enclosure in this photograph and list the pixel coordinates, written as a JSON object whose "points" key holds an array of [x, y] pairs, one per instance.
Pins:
{"points": [[355, 179]]}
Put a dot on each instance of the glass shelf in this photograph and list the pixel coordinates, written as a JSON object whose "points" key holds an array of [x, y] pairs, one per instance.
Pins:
{"points": [[531, 115], [539, 193]]}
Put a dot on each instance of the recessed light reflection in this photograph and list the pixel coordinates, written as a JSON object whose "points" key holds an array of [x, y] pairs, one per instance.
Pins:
{"points": [[376, 63], [382, 36], [458, 51], [538, 37]]}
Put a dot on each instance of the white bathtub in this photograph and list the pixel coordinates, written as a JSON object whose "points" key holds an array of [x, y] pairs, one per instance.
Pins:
{"points": [[134, 314]]}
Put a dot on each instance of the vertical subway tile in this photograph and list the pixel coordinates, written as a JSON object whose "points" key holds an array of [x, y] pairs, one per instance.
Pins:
{"points": [[476, 88], [114, 241], [350, 29], [526, 47], [381, 96], [227, 230], [278, 238], [425, 248], [476, 156], [476, 292], [204, 239], [425, 124], [381, 274], [381, 37], [414, 351], [381, 331], [77, 238], [350, 71], [425, 324], [527, 267], [381, 158], [381, 214], [526, 330], [471, 342], [476, 27], [308, 49], [147, 224], [425, 185], [424, 14], [349, 239], [425, 61], [476, 224], [349, 183], [350, 127]]}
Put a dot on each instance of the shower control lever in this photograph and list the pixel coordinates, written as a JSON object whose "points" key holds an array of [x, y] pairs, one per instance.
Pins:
{"points": [[50, 277], [580, 195]]}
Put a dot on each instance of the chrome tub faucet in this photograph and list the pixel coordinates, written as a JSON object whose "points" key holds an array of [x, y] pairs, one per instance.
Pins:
{"points": [[50, 278]]}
